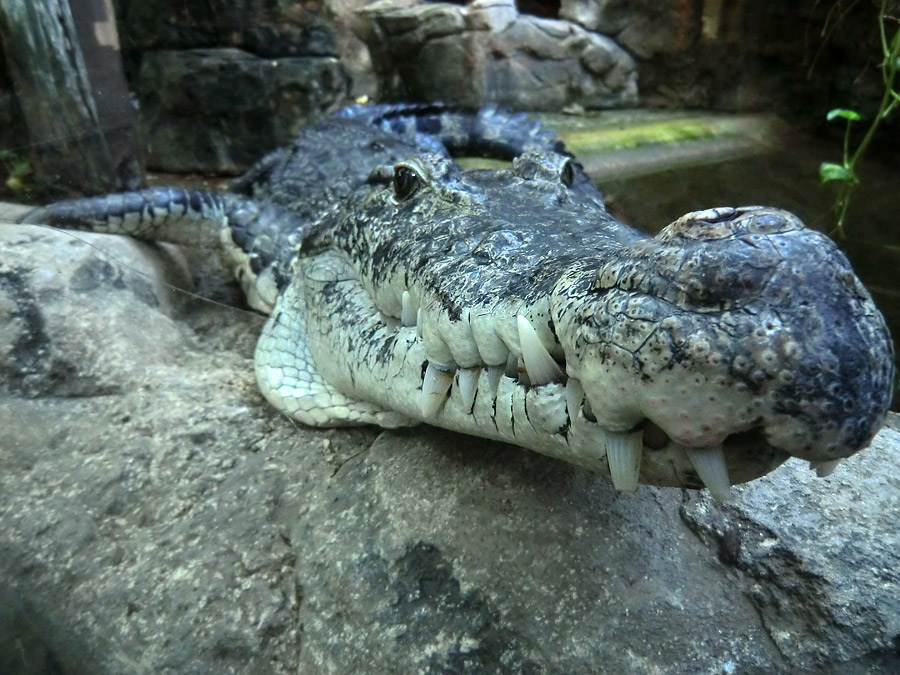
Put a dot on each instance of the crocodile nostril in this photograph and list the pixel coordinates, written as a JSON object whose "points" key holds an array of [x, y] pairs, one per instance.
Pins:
{"points": [[768, 221]]}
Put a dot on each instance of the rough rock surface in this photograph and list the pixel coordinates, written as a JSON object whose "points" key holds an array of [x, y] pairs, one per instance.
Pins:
{"points": [[488, 52], [195, 103], [271, 28], [156, 516], [221, 83], [644, 27], [799, 59]]}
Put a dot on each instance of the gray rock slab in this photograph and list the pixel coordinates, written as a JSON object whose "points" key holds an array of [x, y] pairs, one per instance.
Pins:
{"points": [[817, 557], [156, 516]]}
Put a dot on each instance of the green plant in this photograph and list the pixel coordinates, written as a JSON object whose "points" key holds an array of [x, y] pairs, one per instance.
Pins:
{"points": [[845, 172]]}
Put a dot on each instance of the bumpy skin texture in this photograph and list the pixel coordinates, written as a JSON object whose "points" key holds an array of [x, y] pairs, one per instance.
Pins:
{"points": [[509, 304], [766, 316]]}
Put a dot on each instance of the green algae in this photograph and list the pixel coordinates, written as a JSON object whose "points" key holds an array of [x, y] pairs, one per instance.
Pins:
{"points": [[611, 139]]}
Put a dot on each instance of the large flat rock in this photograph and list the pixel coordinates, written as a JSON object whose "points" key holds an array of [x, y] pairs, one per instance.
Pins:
{"points": [[156, 516]]}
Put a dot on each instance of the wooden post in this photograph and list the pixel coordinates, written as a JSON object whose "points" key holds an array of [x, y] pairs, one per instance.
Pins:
{"points": [[83, 140]]}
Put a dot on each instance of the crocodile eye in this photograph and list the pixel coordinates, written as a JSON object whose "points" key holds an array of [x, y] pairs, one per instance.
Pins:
{"points": [[406, 182], [567, 173]]}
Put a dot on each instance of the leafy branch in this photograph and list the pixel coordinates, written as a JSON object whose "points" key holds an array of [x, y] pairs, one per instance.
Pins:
{"points": [[845, 172]]}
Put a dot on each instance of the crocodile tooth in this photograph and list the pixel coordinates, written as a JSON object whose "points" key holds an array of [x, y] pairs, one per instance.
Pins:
{"points": [[710, 465], [541, 367], [493, 379], [467, 384], [623, 452], [409, 313], [492, 350], [824, 469], [574, 397], [435, 387], [419, 323]]}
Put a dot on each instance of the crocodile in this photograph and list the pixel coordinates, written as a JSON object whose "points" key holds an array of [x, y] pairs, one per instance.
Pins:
{"points": [[509, 304]]}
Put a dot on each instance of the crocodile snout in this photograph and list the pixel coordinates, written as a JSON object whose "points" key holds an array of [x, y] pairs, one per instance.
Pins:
{"points": [[733, 321]]}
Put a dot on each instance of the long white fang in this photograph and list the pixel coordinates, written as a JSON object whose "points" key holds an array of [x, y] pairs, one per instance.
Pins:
{"points": [[539, 364], [494, 375], [574, 397], [409, 313], [435, 386], [825, 469], [710, 465], [467, 383], [623, 452]]}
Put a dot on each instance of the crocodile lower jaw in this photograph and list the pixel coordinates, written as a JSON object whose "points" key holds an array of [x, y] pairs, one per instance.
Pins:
{"points": [[556, 419]]}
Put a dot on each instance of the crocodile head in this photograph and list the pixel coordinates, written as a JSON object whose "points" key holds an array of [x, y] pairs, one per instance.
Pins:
{"points": [[735, 327], [515, 307]]}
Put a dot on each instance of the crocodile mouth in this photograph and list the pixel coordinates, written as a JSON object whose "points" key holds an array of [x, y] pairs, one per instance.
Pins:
{"points": [[500, 371], [559, 410], [534, 399]]}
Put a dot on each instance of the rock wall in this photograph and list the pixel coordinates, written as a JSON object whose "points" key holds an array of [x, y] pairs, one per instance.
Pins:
{"points": [[222, 83], [488, 51], [796, 59], [219, 110]]}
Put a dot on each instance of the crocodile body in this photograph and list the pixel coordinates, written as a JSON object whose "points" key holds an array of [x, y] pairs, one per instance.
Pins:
{"points": [[509, 304]]}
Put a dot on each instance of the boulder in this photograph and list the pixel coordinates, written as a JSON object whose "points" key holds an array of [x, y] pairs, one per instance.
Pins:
{"points": [[489, 52], [156, 515]]}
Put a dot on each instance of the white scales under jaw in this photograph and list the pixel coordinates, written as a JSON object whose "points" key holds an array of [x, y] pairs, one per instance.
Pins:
{"points": [[535, 368]]}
